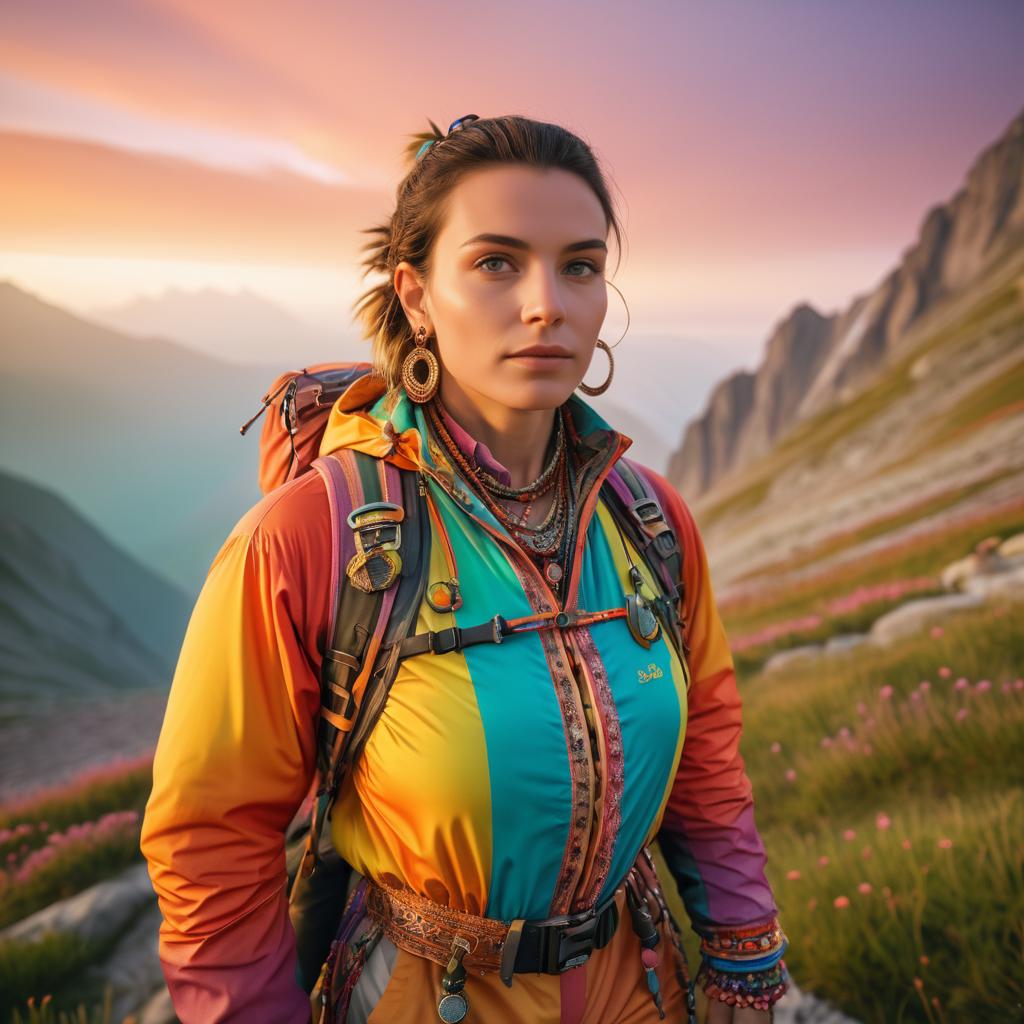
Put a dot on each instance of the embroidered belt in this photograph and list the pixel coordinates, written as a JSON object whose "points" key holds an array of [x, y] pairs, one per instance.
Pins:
{"points": [[431, 930]]}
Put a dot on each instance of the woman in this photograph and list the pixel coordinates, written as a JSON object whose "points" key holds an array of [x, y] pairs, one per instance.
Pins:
{"points": [[505, 784]]}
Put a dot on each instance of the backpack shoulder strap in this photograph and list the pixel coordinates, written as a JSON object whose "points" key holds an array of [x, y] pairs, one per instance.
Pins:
{"points": [[633, 501], [376, 571]]}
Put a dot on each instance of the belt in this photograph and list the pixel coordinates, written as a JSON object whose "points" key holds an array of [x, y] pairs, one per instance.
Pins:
{"points": [[549, 946]]}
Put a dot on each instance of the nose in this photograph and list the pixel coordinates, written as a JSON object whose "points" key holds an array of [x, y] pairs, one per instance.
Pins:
{"points": [[543, 296]]}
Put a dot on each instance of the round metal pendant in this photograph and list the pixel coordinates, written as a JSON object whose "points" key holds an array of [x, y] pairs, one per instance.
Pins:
{"points": [[553, 571], [453, 1007]]}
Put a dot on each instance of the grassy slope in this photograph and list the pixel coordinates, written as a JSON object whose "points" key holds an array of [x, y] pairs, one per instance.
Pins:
{"points": [[889, 784], [937, 892]]}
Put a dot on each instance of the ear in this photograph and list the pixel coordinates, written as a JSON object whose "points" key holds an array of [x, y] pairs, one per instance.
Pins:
{"points": [[412, 294]]}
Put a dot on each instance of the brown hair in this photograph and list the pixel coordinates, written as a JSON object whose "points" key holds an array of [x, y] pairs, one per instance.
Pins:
{"points": [[420, 208]]}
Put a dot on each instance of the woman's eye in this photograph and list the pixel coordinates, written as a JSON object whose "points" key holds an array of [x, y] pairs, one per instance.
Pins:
{"points": [[492, 259], [584, 263], [576, 263]]}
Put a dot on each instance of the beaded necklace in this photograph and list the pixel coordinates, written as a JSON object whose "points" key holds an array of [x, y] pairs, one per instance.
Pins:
{"points": [[542, 540]]}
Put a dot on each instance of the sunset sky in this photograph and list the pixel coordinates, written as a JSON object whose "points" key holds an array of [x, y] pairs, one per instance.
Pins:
{"points": [[761, 153]]}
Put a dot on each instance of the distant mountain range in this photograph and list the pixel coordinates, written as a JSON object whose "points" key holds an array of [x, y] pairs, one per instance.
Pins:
{"points": [[141, 436], [77, 615], [814, 362], [242, 327]]}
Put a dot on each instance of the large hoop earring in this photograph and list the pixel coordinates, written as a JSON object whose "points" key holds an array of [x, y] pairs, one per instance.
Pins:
{"points": [[603, 387], [626, 307], [420, 370]]}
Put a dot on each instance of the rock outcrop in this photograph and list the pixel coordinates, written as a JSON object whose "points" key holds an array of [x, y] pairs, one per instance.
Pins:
{"points": [[813, 360]]}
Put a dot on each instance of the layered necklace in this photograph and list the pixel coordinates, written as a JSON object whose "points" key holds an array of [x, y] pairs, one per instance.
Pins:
{"points": [[544, 540]]}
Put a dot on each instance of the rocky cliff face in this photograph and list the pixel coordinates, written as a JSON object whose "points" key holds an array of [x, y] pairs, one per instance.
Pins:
{"points": [[813, 361]]}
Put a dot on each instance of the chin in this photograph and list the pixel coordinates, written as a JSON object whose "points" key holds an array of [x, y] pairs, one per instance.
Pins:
{"points": [[541, 394]]}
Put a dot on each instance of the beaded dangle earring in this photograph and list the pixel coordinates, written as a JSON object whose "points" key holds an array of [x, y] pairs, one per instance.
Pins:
{"points": [[420, 370]]}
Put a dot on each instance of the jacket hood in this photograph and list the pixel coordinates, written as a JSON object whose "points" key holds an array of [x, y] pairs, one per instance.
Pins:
{"points": [[359, 419]]}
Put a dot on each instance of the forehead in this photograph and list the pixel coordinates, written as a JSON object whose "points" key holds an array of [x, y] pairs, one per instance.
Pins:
{"points": [[540, 205]]}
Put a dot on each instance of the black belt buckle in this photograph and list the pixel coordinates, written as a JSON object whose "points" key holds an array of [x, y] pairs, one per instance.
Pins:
{"points": [[575, 944]]}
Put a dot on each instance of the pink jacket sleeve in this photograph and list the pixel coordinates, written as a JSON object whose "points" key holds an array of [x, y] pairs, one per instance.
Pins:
{"points": [[235, 759]]}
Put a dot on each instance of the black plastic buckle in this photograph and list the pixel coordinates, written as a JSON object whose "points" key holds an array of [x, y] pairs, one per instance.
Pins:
{"points": [[575, 944], [647, 510], [445, 640]]}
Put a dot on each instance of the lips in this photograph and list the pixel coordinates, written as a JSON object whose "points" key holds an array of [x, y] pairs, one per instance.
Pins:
{"points": [[543, 352]]}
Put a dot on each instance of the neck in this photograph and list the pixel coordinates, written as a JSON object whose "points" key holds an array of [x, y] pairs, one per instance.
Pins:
{"points": [[517, 438]]}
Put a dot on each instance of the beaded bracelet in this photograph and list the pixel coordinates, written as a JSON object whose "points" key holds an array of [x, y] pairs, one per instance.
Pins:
{"points": [[744, 966], [756, 989]]}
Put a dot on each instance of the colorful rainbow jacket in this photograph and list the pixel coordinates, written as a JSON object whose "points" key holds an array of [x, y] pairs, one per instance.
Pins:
{"points": [[511, 780]]}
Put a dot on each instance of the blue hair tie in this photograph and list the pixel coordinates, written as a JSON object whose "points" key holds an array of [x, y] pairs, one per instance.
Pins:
{"points": [[457, 125]]}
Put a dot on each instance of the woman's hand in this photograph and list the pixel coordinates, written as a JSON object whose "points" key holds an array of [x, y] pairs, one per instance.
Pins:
{"points": [[723, 1013]]}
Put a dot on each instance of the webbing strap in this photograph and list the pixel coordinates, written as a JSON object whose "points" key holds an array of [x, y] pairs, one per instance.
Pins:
{"points": [[494, 631], [650, 530]]}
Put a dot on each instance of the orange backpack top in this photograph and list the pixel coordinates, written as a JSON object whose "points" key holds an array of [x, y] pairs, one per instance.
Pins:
{"points": [[290, 441]]}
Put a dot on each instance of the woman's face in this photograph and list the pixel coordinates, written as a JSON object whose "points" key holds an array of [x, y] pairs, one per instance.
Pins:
{"points": [[541, 284]]}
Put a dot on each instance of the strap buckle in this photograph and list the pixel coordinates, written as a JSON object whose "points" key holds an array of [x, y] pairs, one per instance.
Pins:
{"points": [[570, 944], [445, 640], [648, 513]]}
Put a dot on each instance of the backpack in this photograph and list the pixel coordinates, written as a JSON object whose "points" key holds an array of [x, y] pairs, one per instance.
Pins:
{"points": [[380, 526]]}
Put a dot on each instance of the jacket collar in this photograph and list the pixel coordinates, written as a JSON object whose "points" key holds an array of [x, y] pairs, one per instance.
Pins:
{"points": [[360, 419]]}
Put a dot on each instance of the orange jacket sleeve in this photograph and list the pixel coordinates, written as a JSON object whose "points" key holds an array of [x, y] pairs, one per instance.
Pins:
{"points": [[235, 759]]}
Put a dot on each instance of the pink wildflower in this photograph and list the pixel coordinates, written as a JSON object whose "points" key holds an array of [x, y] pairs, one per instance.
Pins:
{"points": [[936, 632], [885, 692], [961, 684], [841, 902], [823, 861], [924, 686], [849, 835], [864, 888], [790, 774], [983, 686], [882, 821], [826, 742], [905, 844], [776, 747], [961, 714], [945, 671], [793, 876], [945, 844]]}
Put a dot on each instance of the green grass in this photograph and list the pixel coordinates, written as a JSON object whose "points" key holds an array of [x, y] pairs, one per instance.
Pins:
{"points": [[947, 908], [116, 787], [53, 968], [925, 554]]}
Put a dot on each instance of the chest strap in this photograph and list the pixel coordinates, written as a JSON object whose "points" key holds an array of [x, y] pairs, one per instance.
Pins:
{"points": [[494, 631]]}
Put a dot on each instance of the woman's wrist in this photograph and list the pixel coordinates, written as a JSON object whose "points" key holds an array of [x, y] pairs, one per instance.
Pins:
{"points": [[743, 966]]}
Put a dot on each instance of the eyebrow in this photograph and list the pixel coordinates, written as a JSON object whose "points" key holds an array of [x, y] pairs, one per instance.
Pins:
{"points": [[518, 243]]}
